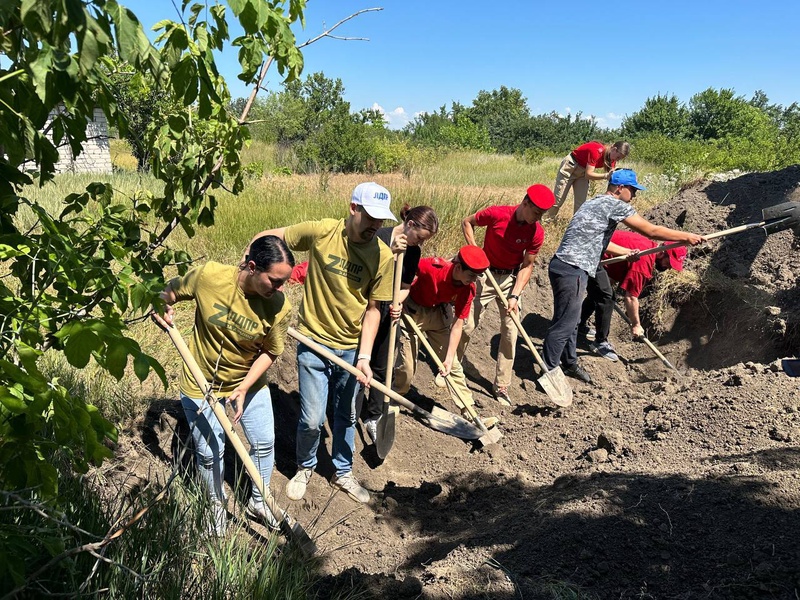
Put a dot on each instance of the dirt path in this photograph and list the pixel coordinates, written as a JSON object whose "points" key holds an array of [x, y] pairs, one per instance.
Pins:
{"points": [[651, 485]]}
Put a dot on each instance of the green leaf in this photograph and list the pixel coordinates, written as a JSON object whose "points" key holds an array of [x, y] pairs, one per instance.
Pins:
{"points": [[177, 125], [14, 405], [79, 347], [116, 360], [138, 294], [89, 52], [159, 370], [141, 366], [119, 295], [40, 69], [36, 16]]}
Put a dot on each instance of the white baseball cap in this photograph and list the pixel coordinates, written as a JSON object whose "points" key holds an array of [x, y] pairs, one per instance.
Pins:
{"points": [[375, 199]]}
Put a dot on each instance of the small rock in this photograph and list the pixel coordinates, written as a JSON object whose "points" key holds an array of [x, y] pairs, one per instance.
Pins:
{"points": [[773, 311], [734, 381], [780, 434], [390, 503], [611, 440], [598, 456]]}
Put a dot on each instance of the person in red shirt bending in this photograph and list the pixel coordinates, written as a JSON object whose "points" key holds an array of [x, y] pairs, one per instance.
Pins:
{"points": [[513, 239], [439, 301], [632, 275], [580, 167]]}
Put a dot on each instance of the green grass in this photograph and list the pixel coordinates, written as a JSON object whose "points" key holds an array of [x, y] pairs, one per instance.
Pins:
{"points": [[164, 555]]}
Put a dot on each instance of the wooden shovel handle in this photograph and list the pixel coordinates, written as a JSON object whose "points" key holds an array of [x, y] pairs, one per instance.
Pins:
{"points": [[398, 281], [227, 426], [439, 365], [517, 322], [710, 236]]}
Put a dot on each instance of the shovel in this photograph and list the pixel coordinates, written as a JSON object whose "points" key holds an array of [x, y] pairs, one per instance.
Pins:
{"points": [[489, 436], [437, 419], [791, 366], [290, 528], [650, 344], [775, 218], [554, 383], [384, 440]]}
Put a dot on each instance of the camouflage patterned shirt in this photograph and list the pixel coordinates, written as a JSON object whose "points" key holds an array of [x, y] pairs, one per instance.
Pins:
{"points": [[590, 229]]}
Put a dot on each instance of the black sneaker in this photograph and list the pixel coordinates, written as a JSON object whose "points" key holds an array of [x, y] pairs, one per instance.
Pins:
{"points": [[578, 372]]}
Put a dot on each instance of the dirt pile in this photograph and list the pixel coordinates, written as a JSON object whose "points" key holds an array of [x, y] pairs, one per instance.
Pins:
{"points": [[652, 485], [750, 289]]}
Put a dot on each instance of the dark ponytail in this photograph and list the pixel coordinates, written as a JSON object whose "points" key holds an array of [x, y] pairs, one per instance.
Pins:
{"points": [[424, 217], [269, 250]]}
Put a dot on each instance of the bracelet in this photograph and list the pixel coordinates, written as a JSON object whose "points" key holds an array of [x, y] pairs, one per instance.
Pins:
{"points": [[513, 297], [365, 357]]}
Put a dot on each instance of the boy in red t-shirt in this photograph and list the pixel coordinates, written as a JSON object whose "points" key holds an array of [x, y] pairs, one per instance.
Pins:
{"points": [[513, 238], [582, 166], [439, 301], [632, 276]]}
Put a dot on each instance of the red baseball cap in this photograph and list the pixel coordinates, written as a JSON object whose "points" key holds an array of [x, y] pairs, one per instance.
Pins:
{"points": [[541, 196], [473, 258], [676, 257]]}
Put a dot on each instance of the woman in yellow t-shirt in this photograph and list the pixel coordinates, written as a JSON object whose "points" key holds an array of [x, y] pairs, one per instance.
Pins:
{"points": [[239, 329]]}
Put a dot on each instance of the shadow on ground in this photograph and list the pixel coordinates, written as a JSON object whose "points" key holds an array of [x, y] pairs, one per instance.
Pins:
{"points": [[604, 535]]}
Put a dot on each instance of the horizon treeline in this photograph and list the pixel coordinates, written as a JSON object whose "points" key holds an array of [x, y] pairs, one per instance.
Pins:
{"points": [[315, 128]]}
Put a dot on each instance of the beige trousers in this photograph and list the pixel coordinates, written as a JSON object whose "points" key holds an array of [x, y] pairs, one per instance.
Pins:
{"points": [[435, 323], [484, 295], [570, 175]]}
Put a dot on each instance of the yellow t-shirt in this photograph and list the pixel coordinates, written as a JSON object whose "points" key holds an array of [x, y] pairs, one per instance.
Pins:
{"points": [[230, 329], [342, 277]]}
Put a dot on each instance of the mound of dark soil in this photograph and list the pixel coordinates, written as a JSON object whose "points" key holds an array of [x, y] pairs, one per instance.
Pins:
{"points": [[750, 280], [652, 485]]}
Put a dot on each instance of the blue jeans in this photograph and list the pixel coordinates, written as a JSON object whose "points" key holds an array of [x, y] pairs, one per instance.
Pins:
{"points": [[321, 382], [209, 440]]}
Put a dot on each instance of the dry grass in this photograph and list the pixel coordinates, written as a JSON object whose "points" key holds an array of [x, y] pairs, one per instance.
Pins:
{"points": [[671, 289], [121, 157]]}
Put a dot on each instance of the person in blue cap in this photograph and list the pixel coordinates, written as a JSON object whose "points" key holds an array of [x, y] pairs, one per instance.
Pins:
{"points": [[577, 259]]}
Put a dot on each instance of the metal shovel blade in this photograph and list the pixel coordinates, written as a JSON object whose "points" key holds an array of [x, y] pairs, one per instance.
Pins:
{"points": [[446, 422], [555, 385], [781, 216], [791, 366], [386, 428]]}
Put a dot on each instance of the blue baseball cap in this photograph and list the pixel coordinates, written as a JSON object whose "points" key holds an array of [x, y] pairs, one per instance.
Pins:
{"points": [[626, 177]]}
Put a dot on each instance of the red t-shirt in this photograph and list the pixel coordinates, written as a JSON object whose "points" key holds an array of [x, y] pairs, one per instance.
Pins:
{"points": [[632, 277], [506, 241], [591, 153], [434, 285]]}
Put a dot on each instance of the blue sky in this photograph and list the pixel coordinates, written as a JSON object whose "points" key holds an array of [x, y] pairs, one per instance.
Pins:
{"points": [[602, 59]]}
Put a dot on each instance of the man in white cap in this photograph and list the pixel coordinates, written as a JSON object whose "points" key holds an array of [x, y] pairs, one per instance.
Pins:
{"points": [[349, 274]]}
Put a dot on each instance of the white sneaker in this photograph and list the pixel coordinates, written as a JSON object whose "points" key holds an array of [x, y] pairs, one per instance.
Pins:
{"points": [[260, 512], [217, 519], [349, 484], [296, 488], [501, 395], [371, 425]]}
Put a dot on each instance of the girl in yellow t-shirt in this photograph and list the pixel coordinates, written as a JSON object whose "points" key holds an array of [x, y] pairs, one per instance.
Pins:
{"points": [[239, 329]]}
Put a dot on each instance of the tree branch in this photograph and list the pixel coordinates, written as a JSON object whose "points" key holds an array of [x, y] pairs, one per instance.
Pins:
{"points": [[243, 119], [327, 32]]}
